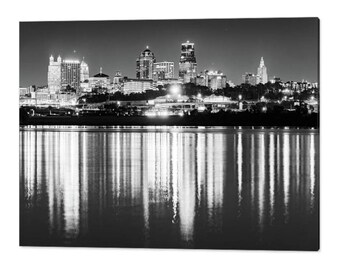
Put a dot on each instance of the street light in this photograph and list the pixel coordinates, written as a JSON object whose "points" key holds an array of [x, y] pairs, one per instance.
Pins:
{"points": [[239, 97]]}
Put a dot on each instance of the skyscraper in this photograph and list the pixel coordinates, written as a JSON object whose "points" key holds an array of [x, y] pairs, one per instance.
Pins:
{"points": [[84, 71], [145, 61], [70, 74], [163, 70], [54, 75], [187, 63], [262, 76]]}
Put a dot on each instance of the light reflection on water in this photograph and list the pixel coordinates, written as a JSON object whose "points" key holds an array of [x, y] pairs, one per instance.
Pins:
{"points": [[169, 187]]}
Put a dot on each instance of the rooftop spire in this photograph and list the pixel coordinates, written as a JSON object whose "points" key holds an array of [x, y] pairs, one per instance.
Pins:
{"points": [[261, 62], [100, 70]]}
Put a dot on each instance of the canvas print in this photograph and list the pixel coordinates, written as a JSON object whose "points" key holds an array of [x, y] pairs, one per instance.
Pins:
{"points": [[200, 134]]}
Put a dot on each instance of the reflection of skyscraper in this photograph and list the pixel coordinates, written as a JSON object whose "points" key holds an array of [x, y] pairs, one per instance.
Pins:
{"points": [[145, 63], [54, 75], [187, 63], [262, 76]]}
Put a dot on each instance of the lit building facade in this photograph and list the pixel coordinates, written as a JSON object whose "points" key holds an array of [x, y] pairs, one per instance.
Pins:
{"points": [[137, 86], [144, 62], [99, 81], [249, 78], [70, 74], [163, 70], [187, 63], [54, 75], [84, 72], [262, 76], [212, 79]]}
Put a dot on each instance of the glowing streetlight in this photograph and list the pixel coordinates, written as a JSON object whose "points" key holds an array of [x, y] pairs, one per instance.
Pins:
{"points": [[239, 97], [199, 95]]}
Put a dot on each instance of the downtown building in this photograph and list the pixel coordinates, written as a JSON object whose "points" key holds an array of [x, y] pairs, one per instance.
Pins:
{"points": [[262, 76], [64, 73], [249, 78], [84, 71], [212, 79], [137, 85], [100, 82], [187, 63], [163, 71], [144, 65], [70, 74], [54, 75]]}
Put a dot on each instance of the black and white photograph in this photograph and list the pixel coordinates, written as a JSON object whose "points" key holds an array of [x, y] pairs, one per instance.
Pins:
{"points": [[181, 133]]}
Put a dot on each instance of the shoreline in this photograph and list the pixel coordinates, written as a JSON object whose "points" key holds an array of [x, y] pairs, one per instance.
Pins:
{"points": [[240, 119]]}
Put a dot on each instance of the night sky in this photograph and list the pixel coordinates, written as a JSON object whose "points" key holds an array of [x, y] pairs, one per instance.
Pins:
{"points": [[289, 46]]}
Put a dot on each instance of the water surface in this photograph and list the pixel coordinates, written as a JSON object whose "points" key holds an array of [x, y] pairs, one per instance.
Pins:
{"points": [[172, 187]]}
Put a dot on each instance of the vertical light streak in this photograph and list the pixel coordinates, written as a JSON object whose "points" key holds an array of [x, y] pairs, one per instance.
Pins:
{"points": [[252, 172], [71, 184], [271, 176], [239, 170], [286, 168], [261, 186], [210, 177], [84, 184], [174, 162], [186, 191], [312, 172], [298, 161]]}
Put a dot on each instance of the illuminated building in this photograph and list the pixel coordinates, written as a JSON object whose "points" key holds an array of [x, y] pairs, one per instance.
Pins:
{"points": [[145, 61], [187, 63], [249, 78], [163, 70], [137, 86], [212, 79], [54, 75], [84, 71], [70, 74], [100, 81], [118, 78], [262, 76]]}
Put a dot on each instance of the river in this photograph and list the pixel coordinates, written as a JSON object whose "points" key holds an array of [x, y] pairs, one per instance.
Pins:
{"points": [[169, 187]]}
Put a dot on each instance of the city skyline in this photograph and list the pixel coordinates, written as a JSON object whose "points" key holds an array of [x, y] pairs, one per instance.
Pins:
{"points": [[229, 45]]}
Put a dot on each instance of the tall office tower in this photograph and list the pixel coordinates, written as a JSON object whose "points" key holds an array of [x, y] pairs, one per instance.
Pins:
{"points": [[145, 61], [187, 63], [70, 74], [163, 70], [54, 75], [262, 76], [84, 71]]}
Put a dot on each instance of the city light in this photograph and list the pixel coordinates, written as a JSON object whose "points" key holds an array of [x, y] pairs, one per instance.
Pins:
{"points": [[175, 90], [239, 97]]}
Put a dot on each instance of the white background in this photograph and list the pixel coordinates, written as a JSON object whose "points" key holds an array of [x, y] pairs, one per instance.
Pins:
{"points": [[14, 257]]}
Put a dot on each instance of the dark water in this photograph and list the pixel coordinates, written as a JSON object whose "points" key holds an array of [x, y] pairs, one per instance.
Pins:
{"points": [[169, 187]]}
